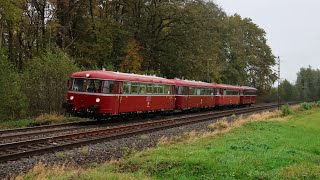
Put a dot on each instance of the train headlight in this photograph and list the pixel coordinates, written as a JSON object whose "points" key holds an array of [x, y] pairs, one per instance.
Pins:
{"points": [[71, 98], [98, 100]]}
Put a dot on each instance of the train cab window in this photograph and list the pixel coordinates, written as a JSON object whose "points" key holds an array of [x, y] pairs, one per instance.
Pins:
{"points": [[107, 87], [94, 86], [167, 89], [143, 89], [135, 88], [78, 85], [149, 88]]}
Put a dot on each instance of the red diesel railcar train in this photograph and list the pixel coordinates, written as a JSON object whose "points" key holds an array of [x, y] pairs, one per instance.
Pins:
{"points": [[104, 93]]}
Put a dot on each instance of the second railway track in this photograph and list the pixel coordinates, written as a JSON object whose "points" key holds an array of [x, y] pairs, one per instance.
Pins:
{"points": [[21, 149]]}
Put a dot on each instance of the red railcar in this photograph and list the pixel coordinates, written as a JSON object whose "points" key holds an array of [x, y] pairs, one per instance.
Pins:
{"points": [[248, 95], [112, 93], [226, 95], [193, 94]]}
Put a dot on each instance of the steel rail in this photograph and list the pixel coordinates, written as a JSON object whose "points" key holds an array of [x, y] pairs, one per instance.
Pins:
{"points": [[17, 150]]}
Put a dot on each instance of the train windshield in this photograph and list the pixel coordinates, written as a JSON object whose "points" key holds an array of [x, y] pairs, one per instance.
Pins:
{"points": [[94, 86], [78, 84]]}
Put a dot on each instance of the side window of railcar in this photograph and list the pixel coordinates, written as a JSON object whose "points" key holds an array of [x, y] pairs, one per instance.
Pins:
{"points": [[149, 88], [161, 88], [248, 93], [78, 84], [179, 90], [94, 86], [143, 88], [212, 92], [192, 91], [107, 87], [203, 91], [155, 88], [167, 89], [225, 92], [217, 92], [135, 88], [198, 91], [126, 88]]}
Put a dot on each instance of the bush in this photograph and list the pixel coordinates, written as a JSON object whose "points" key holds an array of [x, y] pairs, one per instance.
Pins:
{"points": [[53, 118], [286, 110], [317, 104], [45, 82], [13, 101], [306, 106]]}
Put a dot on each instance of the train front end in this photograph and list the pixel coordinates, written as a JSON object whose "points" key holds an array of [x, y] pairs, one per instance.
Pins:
{"points": [[89, 96]]}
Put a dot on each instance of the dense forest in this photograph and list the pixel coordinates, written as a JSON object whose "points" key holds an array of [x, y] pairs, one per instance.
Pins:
{"points": [[43, 41]]}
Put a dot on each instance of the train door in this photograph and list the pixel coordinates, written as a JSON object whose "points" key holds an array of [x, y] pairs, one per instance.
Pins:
{"points": [[172, 95], [117, 91]]}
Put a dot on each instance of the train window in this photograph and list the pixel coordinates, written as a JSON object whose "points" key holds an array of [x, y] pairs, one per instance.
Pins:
{"points": [[126, 88], [179, 90], [192, 91], [78, 84], [143, 88], [94, 86], [161, 89], [231, 92], [203, 92], [167, 89], [135, 88], [225, 92], [250, 93], [107, 87], [149, 88], [217, 92], [198, 91], [156, 89]]}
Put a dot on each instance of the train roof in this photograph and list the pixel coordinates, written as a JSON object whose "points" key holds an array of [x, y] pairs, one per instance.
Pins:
{"points": [[224, 86], [181, 82], [110, 75]]}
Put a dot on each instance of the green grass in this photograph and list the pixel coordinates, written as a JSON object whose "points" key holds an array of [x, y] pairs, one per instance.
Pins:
{"points": [[9, 124], [257, 150]]}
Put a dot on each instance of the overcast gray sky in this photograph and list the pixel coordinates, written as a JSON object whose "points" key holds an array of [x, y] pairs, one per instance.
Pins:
{"points": [[292, 26]]}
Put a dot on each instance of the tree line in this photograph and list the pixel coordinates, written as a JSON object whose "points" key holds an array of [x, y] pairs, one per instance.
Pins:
{"points": [[43, 41], [305, 88]]}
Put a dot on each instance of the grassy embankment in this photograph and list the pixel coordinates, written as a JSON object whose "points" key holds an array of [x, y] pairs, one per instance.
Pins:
{"points": [[44, 119], [265, 146]]}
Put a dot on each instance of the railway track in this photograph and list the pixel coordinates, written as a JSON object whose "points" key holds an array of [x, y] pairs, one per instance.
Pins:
{"points": [[17, 150], [43, 128]]}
